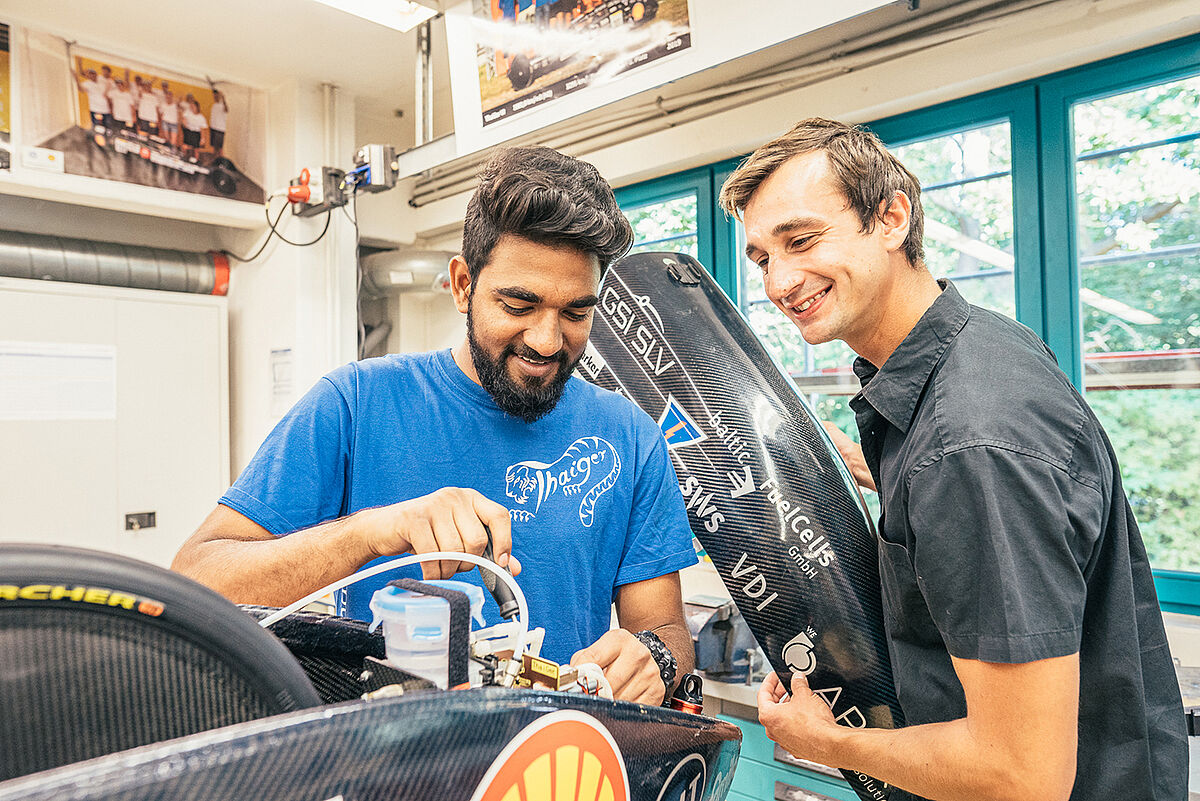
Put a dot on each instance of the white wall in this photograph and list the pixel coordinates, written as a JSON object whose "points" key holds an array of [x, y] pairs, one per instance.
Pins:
{"points": [[297, 299]]}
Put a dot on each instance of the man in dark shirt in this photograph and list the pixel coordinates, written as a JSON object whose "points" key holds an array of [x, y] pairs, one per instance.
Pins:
{"points": [[1027, 644]]}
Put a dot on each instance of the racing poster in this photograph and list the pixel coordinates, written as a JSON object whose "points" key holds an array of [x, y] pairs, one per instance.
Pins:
{"points": [[97, 114], [5, 101], [531, 52], [520, 66]]}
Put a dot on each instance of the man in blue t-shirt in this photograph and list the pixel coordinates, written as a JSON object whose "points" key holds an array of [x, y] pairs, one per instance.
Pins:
{"points": [[418, 453]]}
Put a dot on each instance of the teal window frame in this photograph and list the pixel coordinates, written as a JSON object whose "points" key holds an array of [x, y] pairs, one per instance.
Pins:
{"points": [[712, 241], [1046, 278]]}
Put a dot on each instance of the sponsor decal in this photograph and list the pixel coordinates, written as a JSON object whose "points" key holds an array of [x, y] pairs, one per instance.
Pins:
{"points": [[97, 596], [562, 756], [799, 656], [589, 466], [701, 504], [756, 583], [742, 480], [640, 325], [686, 780], [592, 363], [678, 427], [816, 546]]}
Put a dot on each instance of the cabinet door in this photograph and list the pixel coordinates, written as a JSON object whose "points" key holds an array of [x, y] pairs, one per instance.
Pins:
{"points": [[71, 469], [171, 453], [58, 472]]}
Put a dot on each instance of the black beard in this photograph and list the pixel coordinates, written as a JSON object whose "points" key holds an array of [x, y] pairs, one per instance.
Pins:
{"points": [[530, 400]]}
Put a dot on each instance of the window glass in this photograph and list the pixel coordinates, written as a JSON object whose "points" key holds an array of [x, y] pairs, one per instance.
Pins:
{"points": [[966, 192], [1137, 183], [665, 225]]}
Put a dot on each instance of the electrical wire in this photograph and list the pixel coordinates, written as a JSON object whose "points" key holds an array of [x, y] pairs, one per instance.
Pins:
{"points": [[273, 231], [270, 234], [503, 575], [320, 236]]}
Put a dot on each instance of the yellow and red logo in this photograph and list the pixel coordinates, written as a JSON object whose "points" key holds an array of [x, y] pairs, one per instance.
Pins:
{"points": [[562, 756], [99, 596]]}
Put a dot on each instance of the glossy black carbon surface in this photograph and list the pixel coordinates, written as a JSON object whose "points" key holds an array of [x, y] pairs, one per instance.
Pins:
{"points": [[430, 746], [768, 496]]}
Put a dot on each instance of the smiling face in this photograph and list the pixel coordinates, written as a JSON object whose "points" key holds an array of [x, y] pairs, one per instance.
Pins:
{"points": [[529, 315], [833, 280]]}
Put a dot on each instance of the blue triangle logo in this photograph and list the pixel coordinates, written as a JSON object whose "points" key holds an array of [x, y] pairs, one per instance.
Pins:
{"points": [[677, 426]]}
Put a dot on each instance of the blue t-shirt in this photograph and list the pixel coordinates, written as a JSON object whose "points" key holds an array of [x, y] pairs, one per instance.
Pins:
{"points": [[592, 494]]}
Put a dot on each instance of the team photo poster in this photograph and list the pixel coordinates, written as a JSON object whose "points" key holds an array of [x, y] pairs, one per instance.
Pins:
{"points": [[97, 114]]}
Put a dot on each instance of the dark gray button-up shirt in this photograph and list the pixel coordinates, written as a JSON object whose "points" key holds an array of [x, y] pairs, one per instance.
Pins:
{"points": [[1005, 536]]}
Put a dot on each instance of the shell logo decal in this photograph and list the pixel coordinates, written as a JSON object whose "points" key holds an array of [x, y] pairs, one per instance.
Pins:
{"points": [[562, 756]]}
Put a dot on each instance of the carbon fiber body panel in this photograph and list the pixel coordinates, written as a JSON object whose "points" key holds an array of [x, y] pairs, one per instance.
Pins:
{"points": [[429, 746], [768, 496]]}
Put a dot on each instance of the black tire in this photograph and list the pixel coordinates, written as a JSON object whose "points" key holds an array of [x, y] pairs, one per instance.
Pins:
{"points": [[190, 610], [649, 11], [520, 74], [220, 162], [222, 181], [121, 654]]}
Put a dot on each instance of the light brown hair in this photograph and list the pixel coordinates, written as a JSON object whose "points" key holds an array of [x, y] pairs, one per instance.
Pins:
{"points": [[868, 174]]}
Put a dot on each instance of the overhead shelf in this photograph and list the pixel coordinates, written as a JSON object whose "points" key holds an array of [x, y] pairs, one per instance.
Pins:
{"points": [[133, 198]]}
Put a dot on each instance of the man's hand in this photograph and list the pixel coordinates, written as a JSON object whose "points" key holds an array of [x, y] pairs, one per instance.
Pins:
{"points": [[451, 519], [852, 455], [801, 722], [628, 666]]}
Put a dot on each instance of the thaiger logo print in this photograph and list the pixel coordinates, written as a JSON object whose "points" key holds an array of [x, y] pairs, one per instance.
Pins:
{"points": [[590, 466]]}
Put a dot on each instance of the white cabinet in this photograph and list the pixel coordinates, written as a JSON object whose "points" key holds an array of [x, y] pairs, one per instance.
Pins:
{"points": [[112, 402]]}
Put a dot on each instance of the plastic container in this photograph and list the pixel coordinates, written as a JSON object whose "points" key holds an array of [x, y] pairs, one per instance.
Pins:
{"points": [[474, 595], [416, 631]]}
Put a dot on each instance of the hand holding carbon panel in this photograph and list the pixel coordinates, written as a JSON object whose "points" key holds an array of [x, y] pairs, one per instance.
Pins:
{"points": [[767, 494]]}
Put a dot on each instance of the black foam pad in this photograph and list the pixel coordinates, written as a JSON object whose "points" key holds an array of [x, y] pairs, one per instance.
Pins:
{"points": [[460, 626]]}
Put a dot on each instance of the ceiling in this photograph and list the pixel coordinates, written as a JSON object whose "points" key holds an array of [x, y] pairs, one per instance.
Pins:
{"points": [[259, 43]]}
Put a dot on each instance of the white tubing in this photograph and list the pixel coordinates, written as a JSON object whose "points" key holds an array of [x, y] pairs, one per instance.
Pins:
{"points": [[433, 556]]}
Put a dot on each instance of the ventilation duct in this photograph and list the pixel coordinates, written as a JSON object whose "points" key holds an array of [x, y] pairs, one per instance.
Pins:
{"points": [[394, 271], [82, 261]]}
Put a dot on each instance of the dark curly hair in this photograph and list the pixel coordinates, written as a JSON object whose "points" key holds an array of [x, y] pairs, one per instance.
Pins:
{"points": [[546, 197]]}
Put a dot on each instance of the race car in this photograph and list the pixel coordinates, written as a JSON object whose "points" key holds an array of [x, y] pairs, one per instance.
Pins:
{"points": [[221, 172], [121, 680], [578, 15]]}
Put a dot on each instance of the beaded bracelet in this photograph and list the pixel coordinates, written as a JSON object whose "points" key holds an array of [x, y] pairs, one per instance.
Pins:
{"points": [[663, 658]]}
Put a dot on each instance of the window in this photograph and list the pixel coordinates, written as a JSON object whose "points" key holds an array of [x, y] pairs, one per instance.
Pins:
{"points": [[966, 193], [665, 225], [1137, 246], [675, 213]]}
